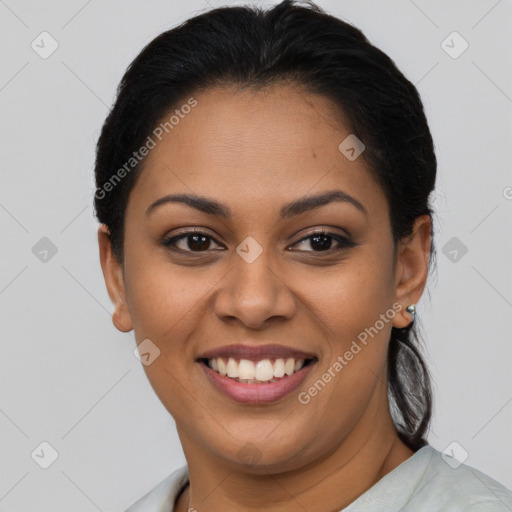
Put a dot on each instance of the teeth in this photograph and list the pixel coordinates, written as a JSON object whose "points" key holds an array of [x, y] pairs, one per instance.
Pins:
{"points": [[232, 368], [279, 368], [248, 371], [264, 370], [221, 364]]}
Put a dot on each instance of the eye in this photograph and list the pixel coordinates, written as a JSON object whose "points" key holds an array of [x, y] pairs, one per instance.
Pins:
{"points": [[198, 241], [321, 241], [191, 241]]}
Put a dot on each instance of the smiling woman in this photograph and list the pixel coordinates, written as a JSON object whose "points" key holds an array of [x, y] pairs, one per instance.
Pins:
{"points": [[271, 246]]}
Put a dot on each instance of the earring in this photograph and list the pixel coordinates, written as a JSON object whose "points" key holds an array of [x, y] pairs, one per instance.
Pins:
{"points": [[412, 311]]}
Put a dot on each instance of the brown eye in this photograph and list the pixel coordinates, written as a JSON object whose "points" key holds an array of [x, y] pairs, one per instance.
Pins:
{"points": [[193, 241], [322, 241]]}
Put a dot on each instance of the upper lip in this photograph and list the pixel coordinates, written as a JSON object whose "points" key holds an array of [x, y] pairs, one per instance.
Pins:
{"points": [[256, 352]]}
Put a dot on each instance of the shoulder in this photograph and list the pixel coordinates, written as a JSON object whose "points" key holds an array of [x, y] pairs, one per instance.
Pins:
{"points": [[162, 497], [449, 485], [429, 481]]}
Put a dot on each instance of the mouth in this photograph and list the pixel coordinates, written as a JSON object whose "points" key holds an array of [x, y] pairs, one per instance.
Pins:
{"points": [[256, 375], [245, 371]]}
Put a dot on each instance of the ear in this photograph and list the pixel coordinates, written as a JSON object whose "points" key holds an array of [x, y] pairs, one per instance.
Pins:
{"points": [[114, 279], [411, 269]]}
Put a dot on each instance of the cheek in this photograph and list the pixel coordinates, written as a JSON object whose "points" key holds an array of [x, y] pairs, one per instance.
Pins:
{"points": [[164, 304], [162, 297], [352, 302], [352, 297], [351, 306]]}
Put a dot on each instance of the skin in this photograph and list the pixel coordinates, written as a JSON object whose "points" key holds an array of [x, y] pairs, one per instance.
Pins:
{"points": [[253, 152]]}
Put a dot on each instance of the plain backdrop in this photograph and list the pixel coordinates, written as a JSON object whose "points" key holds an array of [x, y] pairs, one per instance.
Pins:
{"points": [[68, 378]]}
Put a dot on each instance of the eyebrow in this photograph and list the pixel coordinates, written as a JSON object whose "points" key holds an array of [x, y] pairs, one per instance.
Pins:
{"points": [[301, 205]]}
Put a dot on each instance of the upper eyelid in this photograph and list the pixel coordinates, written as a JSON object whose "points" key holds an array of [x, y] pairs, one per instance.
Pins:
{"points": [[322, 231]]}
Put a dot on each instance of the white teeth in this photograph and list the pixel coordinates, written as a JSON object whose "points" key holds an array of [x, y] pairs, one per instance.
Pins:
{"points": [[232, 369], [279, 368], [289, 366], [246, 369], [262, 371], [222, 366]]}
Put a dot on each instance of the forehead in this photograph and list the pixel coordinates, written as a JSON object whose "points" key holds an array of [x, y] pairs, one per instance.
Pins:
{"points": [[242, 147]]}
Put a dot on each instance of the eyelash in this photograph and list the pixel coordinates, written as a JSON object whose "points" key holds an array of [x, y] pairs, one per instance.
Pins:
{"points": [[344, 243]]}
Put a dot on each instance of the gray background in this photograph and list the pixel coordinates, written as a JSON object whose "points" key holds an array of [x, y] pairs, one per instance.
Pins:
{"points": [[69, 378]]}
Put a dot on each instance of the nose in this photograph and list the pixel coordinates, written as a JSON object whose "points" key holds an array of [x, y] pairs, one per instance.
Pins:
{"points": [[253, 294]]}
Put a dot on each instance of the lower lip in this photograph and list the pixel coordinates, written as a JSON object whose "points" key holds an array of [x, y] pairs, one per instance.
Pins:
{"points": [[257, 394]]}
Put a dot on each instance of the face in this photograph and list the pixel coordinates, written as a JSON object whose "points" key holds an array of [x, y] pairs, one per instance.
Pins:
{"points": [[290, 256]]}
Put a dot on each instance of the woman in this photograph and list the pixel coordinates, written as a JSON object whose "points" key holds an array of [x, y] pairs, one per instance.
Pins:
{"points": [[263, 185]]}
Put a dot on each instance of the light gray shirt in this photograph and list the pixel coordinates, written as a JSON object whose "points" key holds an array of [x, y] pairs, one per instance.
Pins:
{"points": [[425, 482]]}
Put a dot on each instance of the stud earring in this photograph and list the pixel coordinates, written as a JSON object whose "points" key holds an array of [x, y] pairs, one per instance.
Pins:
{"points": [[412, 311]]}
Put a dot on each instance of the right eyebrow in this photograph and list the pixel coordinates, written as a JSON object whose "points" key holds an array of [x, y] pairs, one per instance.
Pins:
{"points": [[201, 203]]}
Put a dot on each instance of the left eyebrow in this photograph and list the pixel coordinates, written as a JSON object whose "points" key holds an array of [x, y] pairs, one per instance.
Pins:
{"points": [[301, 205], [307, 203]]}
